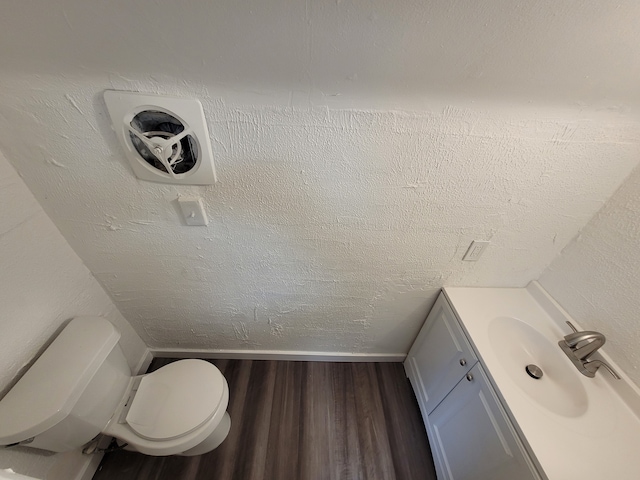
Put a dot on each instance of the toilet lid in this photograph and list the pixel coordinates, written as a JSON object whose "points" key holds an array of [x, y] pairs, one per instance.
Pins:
{"points": [[176, 399]]}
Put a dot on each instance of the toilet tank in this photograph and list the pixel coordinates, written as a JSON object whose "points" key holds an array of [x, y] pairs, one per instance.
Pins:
{"points": [[69, 394]]}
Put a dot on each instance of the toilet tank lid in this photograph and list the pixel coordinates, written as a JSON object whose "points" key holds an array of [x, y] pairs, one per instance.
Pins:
{"points": [[48, 391]]}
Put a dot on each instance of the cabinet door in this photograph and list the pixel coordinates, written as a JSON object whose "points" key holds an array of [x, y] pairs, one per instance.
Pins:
{"points": [[440, 356], [472, 437]]}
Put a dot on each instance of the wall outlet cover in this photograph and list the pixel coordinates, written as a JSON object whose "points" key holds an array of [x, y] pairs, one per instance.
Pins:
{"points": [[475, 251]]}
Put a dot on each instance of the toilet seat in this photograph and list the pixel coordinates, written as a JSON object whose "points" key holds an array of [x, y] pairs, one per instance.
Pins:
{"points": [[194, 383], [176, 399]]}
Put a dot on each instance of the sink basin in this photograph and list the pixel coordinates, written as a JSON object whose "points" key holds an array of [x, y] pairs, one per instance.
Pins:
{"points": [[576, 427], [517, 344]]}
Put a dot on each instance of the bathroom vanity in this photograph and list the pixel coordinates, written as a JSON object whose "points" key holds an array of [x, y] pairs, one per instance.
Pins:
{"points": [[488, 418]]}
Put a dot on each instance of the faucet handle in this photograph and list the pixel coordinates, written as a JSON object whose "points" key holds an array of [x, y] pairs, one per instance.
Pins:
{"points": [[575, 330], [593, 366]]}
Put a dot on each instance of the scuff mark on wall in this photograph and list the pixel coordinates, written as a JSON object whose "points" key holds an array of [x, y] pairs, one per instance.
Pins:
{"points": [[109, 223], [74, 104], [277, 329], [66, 20], [198, 334], [140, 222], [54, 162], [241, 331], [564, 134], [76, 107], [420, 185]]}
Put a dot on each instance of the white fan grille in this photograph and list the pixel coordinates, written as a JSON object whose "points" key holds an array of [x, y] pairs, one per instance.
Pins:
{"points": [[159, 129]]}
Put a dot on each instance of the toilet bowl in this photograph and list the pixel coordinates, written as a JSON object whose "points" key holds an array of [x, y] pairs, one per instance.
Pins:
{"points": [[81, 386], [173, 410]]}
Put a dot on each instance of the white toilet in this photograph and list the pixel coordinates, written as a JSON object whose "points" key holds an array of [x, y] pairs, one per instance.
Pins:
{"points": [[81, 386]]}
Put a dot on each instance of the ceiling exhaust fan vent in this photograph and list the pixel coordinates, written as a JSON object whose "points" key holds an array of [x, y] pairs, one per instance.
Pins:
{"points": [[165, 138]]}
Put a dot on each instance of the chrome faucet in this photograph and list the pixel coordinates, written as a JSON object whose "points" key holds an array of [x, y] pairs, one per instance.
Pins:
{"points": [[579, 346], [594, 341]]}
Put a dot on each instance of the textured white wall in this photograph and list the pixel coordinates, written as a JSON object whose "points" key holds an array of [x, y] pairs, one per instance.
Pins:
{"points": [[331, 230], [44, 284], [597, 276]]}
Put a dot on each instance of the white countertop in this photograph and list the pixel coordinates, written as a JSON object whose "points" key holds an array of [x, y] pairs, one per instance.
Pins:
{"points": [[594, 434]]}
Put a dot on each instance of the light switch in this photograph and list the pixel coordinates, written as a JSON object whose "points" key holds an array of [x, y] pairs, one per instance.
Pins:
{"points": [[193, 211]]}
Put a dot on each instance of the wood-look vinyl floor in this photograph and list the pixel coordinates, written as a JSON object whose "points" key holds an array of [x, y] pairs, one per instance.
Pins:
{"points": [[302, 421]]}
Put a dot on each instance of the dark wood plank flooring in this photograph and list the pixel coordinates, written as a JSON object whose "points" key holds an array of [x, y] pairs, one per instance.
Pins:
{"points": [[302, 421]]}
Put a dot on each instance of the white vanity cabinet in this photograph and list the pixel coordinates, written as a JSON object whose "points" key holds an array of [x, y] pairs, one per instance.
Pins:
{"points": [[440, 356], [470, 434]]}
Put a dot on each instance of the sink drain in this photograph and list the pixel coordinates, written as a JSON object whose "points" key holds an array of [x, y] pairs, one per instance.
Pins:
{"points": [[534, 371]]}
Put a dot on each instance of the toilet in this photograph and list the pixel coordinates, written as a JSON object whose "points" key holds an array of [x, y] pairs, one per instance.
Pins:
{"points": [[81, 386]]}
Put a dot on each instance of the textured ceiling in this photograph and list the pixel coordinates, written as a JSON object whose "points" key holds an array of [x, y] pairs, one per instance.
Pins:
{"points": [[570, 51]]}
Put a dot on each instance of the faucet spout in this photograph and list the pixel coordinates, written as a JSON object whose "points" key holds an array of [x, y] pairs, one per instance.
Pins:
{"points": [[579, 346], [594, 340]]}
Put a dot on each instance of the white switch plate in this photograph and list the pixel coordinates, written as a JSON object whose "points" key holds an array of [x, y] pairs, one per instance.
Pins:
{"points": [[475, 251], [193, 211]]}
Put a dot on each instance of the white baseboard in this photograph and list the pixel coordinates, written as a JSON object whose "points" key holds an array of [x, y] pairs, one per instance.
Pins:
{"points": [[278, 355]]}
